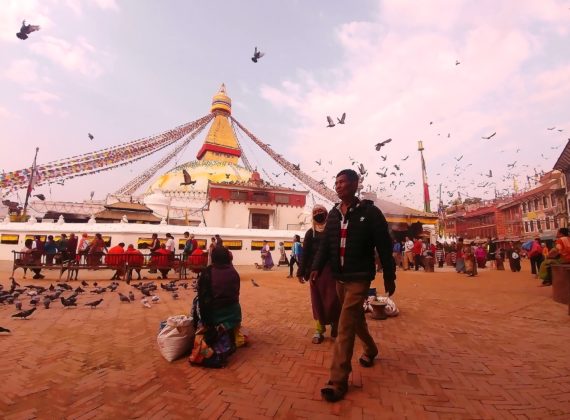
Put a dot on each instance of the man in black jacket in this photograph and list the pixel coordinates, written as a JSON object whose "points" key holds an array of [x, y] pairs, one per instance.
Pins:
{"points": [[354, 230]]}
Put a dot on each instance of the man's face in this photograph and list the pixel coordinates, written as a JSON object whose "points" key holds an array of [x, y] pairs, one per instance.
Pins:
{"points": [[345, 189]]}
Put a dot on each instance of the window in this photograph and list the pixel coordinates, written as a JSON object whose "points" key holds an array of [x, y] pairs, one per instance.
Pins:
{"points": [[259, 221], [553, 199], [524, 207], [257, 245], [547, 221], [538, 225], [555, 223], [545, 202], [532, 225], [536, 205], [281, 199], [238, 195], [526, 227], [7, 239], [260, 196]]}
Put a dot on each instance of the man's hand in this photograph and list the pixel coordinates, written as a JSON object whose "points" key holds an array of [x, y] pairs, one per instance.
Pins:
{"points": [[313, 276], [390, 285]]}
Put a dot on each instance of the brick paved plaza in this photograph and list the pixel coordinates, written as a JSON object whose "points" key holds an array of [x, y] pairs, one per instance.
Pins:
{"points": [[494, 346]]}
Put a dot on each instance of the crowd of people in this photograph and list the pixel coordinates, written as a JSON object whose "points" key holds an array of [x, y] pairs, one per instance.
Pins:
{"points": [[92, 251]]}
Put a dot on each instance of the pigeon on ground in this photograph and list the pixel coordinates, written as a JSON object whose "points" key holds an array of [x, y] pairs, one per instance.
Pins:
{"points": [[24, 314], [257, 55], [94, 304], [79, 290], [84, 283], [47, 302], [145, 303], [131, 296], [124, 298], [68, 303], [254, 283], [155, 299], [18, 305], [174, 295], [4, 330]]}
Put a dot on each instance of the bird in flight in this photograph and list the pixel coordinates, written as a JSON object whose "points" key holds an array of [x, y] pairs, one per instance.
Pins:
{"points": [[361, 169], [550, 128], [318, 162], [397, 167], [457, 62], [330, 121], [257, 55], [91, 137], [40, 197], [490, 174], [378, 146], [297, 167], [459, 158], [406, 158], [489, 137], [25, 30], [342, 118], [187, 178], [512, 165], [384, 157]]}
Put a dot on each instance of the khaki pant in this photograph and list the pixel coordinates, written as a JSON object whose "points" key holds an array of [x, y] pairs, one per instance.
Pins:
{"points": [[351, 323], [397, 258], [408, 258]]}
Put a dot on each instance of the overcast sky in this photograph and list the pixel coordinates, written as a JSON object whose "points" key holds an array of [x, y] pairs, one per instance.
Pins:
{"points": [[128, 69]]}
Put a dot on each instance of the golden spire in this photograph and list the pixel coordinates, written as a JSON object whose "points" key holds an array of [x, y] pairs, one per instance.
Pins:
{"points": [[221, 144]]}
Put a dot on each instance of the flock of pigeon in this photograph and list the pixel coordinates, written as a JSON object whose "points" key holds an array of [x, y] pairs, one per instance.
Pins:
{"points": [[64, 293]]}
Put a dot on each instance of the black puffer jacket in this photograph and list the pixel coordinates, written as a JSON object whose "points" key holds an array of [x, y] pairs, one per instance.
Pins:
{"points": [[367, 231]]}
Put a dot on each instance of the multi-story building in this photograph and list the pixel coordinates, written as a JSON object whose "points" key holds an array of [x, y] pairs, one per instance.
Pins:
{"points": [[512, 228], [563, 165]]}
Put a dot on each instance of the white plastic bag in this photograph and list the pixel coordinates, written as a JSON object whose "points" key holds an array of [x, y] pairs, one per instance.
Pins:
{"points": [[176, 338], [391, 308]]}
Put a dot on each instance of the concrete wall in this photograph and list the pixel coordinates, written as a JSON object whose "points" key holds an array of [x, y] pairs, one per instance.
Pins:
{"points": [[130, 233]]}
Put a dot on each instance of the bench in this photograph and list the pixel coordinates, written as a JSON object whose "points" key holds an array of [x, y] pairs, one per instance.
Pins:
{"points": [[561, 283], [124, 264]]}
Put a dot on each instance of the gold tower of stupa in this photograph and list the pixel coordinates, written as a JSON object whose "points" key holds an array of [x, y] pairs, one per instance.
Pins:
{"points": [[217, 159]]}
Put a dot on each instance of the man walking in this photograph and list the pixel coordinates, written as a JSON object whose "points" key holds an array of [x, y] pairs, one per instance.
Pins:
{"points": [[354, 230]]}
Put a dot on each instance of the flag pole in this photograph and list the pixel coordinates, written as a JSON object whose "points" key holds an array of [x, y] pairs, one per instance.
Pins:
{"points": [[424, 178], [30, 184]]}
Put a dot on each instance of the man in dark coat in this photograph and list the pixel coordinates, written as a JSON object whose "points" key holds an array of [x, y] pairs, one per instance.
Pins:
{"points": [[355, 229]]}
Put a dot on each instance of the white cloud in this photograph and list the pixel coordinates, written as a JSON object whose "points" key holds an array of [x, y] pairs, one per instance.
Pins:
{"points": [[44, 100], [23, 72], [6, 113], [79, 56]]}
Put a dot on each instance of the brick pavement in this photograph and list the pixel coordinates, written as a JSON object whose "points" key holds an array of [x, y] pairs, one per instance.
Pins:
{"points": [[494, 346]]}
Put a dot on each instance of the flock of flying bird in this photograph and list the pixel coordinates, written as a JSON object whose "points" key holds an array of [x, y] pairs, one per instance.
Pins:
{"points": [[389, 170], [64, 293]]}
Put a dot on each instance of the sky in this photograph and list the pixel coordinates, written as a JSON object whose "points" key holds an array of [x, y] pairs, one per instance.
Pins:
{"points": [[446, 72]]}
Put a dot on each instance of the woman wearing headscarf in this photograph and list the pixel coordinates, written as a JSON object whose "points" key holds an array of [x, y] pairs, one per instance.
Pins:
{"points": [[324, 298]]}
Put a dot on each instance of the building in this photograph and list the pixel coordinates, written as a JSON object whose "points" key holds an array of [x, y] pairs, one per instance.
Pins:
{"points": [[563, 165], [120, 212], [215, 190]]}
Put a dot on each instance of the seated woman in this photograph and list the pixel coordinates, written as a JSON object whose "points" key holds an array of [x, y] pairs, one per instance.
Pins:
{"points": [[560, 254], [216, 311]]}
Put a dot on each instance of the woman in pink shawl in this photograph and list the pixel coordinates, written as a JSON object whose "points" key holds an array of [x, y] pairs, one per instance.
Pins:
{"points": [[481, 256]]}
